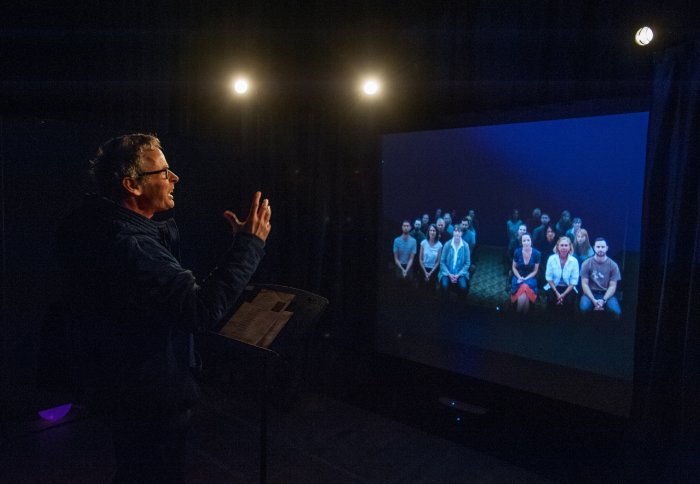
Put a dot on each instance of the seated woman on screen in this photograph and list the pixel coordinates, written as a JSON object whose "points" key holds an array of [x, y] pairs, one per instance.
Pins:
{"points": [[526, 262], [454, 263], [562, 275], [510, 252], [546, 246], [582, 247], [430, 252]]}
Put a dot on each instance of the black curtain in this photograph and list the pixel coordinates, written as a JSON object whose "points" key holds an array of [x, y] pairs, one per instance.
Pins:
{"points": [[667, 383]]}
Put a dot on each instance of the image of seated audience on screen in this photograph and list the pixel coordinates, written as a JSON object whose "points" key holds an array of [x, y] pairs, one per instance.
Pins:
{"points": [[514, 247], [555, 265]]}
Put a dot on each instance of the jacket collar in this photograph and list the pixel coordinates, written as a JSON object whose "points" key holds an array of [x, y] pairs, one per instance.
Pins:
{"points": [[165, 231]]}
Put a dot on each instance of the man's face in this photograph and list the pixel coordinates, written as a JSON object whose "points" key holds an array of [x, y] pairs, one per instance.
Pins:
{"points": [[464, 224], [441, 225], [536, 213], [417, 224], [156, 191], [565, 216], [600, 248], [457, 234], [406, 227], [425, 219], [544, 219], [448, 218]]}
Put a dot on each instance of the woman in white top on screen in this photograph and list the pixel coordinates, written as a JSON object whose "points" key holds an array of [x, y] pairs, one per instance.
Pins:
{"points": [[562, 275]]}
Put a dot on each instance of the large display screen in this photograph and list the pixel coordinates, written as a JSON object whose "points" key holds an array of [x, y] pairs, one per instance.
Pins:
{"points": [[588, 170]]}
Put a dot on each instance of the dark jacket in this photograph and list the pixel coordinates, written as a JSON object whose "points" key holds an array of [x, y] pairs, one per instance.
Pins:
{"points": [[131, 308]]}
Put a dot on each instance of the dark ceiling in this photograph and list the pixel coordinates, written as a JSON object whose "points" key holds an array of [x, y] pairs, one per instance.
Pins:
{"points": [[165, 64]]}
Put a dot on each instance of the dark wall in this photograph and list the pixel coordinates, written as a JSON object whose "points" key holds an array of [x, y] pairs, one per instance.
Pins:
{"points": [[73, 75], [165, 65]]}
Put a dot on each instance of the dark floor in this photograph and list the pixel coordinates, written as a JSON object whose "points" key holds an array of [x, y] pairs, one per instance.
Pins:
{"points": [[316, 440]]}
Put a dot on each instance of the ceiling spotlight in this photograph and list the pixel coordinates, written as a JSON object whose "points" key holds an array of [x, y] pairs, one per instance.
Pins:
{"points": [[371, 87], [240, 86], [644, 36]]}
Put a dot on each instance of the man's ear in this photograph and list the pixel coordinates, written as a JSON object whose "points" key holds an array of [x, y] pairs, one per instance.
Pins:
{"points": [[131, 186]]}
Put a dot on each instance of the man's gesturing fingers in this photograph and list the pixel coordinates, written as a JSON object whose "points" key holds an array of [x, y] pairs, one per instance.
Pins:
{"points": [[262, 226], [258, 222]]}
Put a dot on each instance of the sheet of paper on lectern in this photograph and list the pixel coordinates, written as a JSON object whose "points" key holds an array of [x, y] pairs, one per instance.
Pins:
{"points": [[259, 322]]}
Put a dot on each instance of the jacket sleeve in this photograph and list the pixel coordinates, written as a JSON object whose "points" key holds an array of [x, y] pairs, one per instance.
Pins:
{"points": [[159, 278], [444, 270], [464, 271], [549, 272], [573, 277]]}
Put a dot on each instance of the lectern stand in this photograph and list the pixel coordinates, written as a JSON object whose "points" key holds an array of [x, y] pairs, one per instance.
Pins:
{"points": [[268, 324]]}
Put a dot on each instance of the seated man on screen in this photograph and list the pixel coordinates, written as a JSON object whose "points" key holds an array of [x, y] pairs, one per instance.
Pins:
{"points": [[512, 225], [535, 219], [564, 223], [599, 276], [471, 213], [516, 243], [417, 232], [424, 224], [539, 231], [443, 236], [405, 248], [468, 235], [455, 262], [449, 228]]}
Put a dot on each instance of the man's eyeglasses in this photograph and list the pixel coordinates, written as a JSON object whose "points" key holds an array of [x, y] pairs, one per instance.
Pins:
{"points": [[165, 171]]}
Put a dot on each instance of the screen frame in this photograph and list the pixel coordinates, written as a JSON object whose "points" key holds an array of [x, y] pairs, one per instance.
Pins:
{"points": [[573, 394]]}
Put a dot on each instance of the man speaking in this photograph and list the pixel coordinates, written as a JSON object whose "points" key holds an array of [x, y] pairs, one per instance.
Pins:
{"points": [[135, 308]]}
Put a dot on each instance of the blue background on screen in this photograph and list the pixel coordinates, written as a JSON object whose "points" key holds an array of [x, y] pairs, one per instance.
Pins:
{"points": [[591, 166]]}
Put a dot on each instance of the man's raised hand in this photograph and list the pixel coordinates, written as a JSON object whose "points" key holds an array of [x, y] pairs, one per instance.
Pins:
{"points": [[258, 221]]}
